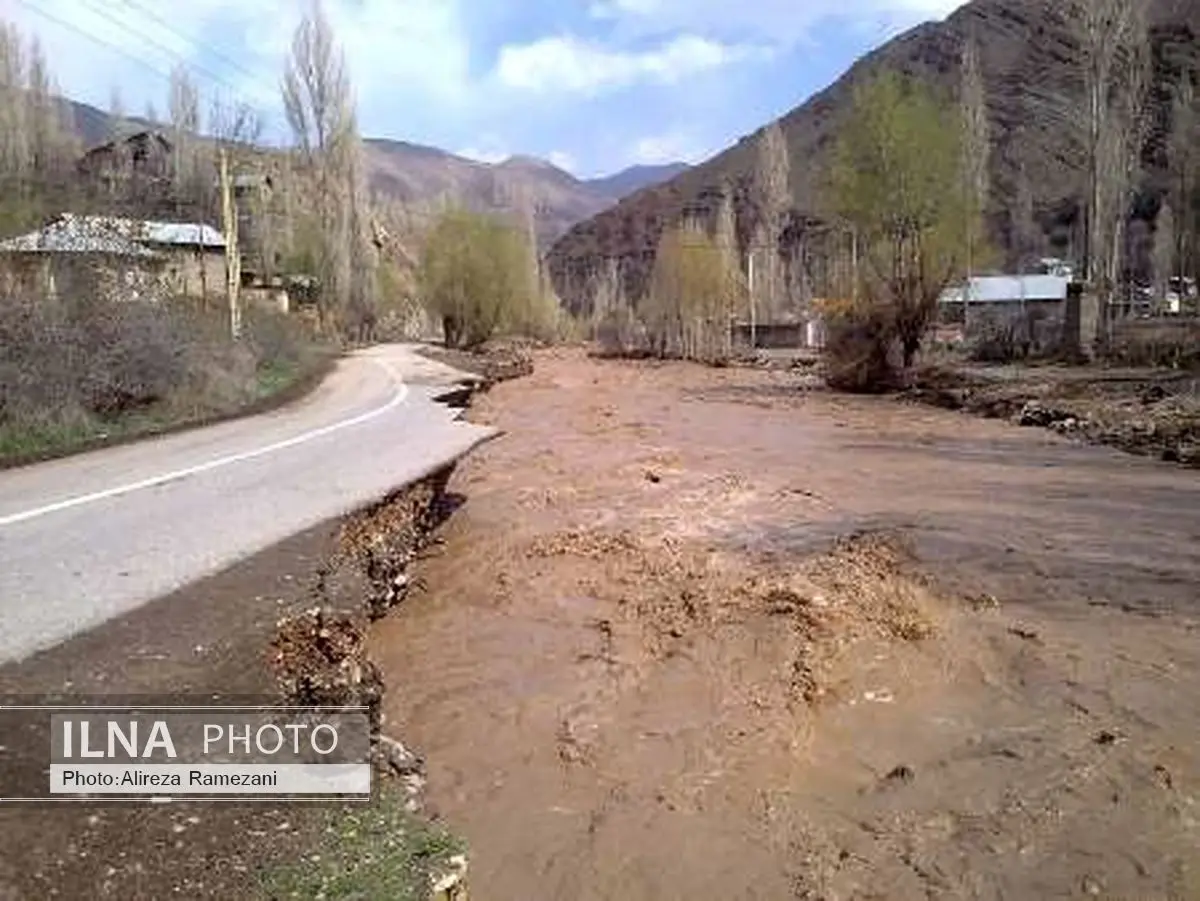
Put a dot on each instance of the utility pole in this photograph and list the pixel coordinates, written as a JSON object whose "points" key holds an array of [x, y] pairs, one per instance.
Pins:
{"points": [[233, 267], [854, 264]]}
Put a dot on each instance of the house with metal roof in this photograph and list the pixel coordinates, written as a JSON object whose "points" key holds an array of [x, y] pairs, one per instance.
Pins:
{"points": [[988, 290], [188, 259], [1031, 307]]}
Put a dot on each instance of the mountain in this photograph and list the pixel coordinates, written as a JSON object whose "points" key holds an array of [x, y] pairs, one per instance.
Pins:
{"points": [[420, 177], [635, 178], [1030, 63]]}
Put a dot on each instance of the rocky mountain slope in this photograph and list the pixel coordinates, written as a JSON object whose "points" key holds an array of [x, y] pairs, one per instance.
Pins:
{"points": [[1030, 61], [421, 177]]}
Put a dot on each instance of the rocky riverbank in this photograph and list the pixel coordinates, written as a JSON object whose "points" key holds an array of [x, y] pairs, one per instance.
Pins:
{"points": [[1145, 412]]}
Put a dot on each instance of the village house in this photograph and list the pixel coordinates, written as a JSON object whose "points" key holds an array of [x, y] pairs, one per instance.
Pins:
{"points": [[1034, 306], [147, 155], [61, 260], [184, 259]]}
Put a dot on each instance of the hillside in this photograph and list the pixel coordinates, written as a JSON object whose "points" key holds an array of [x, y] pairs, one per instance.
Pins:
{"points": [[1029, 59], [419, 177], [636, 177]]}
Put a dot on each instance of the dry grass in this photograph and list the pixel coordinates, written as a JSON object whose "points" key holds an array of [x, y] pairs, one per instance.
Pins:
{"points": [[72, 372]]}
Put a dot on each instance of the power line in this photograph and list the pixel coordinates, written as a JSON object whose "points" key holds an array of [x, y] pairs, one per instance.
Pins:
{"points": [[211, 50], [167, 77], [50, 17], [174, 55]]}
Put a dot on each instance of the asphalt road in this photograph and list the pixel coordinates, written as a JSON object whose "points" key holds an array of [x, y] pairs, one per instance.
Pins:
{"points": [[87, 538]]}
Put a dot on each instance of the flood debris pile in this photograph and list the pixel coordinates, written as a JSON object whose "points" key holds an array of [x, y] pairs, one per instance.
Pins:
{"points": [[503, 362], [494, 362], [1153, 417]]}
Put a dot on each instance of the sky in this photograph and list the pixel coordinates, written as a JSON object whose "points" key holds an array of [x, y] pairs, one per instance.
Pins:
{"points": [[592, 85]]}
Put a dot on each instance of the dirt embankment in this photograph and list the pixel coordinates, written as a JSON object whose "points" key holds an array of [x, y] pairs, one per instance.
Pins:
{"points": [[290, 622], [1144, 412], [703, 634]]}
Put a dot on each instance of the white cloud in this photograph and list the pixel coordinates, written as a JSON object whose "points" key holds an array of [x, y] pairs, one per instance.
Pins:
{"points": [[672, 147], [401, 56], [778, 22], [480, 155], [569, 64], [562, 160]]}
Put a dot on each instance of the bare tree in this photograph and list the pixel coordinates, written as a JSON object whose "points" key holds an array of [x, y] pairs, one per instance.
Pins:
{"points": [[976, 143], [14, 150], [116, 113], [41, 121], [236, 126], [35, 142], [1112, 38], [1183, 159], [1120, 151], [1024, 228], [187, 181], [725, 236], [362, 253], [1165, 248], [319, 108], [316, 88], [773, 199]]}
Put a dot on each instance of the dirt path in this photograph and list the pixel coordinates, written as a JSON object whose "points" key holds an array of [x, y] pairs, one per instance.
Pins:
{"points": [[699, 634]]}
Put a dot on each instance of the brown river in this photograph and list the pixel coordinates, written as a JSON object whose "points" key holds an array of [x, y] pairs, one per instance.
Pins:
{"points": [[716, 634]]}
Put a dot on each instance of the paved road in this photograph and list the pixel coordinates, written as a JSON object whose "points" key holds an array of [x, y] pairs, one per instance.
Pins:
{"points": [[88, 538]]}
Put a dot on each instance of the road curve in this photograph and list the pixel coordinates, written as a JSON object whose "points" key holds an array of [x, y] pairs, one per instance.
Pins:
{"points": [[87, 538]]}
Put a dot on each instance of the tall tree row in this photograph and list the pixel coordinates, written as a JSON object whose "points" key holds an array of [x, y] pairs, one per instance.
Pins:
{"points": [[319, 106], [1179, 220], [1115, 59], [976, 145], [37, 145], [772, 201]]}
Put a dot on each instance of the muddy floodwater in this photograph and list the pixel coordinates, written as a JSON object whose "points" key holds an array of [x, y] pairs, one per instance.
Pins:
{"points": [[714, 634]]}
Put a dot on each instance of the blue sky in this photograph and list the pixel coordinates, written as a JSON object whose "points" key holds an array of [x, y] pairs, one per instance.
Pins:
{"points": [[594, 85]]}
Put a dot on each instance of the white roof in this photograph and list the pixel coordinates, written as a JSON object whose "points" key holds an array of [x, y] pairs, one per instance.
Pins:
{"points": [[191, 233], [113, 235], [67, 236], [1010, 289]]}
